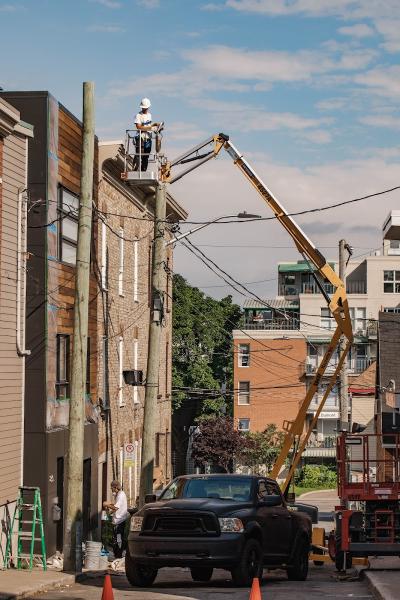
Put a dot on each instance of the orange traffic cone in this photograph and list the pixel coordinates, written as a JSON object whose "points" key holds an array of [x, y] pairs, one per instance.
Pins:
{"points": [[108, 593], [255, 593]]}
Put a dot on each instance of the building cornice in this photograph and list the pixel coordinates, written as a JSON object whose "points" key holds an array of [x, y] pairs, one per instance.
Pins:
{"points": [[9, 118]]}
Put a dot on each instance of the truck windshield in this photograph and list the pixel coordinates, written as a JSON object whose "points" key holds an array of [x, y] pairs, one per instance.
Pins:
{"points": [[224, 488]]}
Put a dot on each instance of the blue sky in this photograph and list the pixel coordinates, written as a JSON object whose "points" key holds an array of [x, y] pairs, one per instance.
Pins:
{"points": [[308, 89]]}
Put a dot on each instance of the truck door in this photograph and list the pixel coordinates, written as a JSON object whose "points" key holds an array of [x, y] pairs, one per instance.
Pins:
{"points": [[276, 522]]}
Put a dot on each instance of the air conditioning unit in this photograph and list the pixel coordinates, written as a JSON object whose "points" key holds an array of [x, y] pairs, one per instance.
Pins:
{"points": [[133, 377]]}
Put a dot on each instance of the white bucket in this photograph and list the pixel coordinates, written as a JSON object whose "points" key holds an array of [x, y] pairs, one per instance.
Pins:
{"points": [[92, 555]]}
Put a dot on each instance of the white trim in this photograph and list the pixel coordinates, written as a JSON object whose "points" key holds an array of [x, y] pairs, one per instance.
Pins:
{"points": [[121, 262], [135, 271], [121, 402], [135, 366]]}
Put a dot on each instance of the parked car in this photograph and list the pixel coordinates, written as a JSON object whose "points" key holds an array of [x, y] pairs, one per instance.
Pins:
{"points": [[240, 523]]}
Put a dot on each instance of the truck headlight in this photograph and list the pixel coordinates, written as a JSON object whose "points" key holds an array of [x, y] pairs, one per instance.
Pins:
{"points": [[136, 523], [230, 524]]}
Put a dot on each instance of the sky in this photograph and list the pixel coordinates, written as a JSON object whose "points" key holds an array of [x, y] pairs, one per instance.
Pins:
{"points": [[308, 90]]}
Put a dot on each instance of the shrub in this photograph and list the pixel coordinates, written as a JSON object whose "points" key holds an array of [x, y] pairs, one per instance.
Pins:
{"points": [[315, 476]]}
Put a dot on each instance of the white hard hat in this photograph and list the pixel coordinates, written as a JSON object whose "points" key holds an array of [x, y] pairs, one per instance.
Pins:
{"points": [[145, 103]]}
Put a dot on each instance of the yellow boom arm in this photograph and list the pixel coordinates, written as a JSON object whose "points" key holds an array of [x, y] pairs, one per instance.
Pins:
{"points": [[296, 435]]}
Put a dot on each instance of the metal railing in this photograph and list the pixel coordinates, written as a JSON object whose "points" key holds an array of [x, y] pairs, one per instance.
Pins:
{"points": [[356, 287], [273, 324], [327, 442], [142, 148], [312, 288]]}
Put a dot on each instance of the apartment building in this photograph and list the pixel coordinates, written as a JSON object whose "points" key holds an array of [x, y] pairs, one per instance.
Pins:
{"points": [[299, 312], [14, 136], [124, 249], [54, 168]]}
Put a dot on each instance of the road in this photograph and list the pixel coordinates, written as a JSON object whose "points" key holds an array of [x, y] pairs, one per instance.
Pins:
{"points": [[176, 584]]}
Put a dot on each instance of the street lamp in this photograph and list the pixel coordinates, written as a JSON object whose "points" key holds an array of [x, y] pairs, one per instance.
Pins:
{"points": [[241, 215]]}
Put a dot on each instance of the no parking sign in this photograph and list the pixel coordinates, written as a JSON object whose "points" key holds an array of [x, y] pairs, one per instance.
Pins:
{"points": [[129, 455]]}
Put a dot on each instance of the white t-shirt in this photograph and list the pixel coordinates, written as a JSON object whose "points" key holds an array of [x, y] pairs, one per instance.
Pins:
{"points": [[121, 514], [143, 119]]}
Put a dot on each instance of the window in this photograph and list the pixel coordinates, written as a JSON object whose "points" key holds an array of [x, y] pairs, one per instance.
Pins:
{"points": [[62, 384], [327, 320], [104, 257], [121, 263], [244, 425], [135, 366], [105, 372], [121, 372], [244, 355], [392, 309], [68, 209], [135, 270], [358, 319], [244, 392], [391, 282]]}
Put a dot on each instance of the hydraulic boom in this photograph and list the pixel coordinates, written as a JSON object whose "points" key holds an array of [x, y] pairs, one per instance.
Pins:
{"points": [[296, 435]]}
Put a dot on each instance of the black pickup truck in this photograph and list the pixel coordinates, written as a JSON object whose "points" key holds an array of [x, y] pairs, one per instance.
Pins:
{"points": [[240, 523]]}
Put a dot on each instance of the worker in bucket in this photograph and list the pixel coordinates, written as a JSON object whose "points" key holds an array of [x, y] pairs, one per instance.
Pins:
{"points": [[143, 140], [119, 511]]}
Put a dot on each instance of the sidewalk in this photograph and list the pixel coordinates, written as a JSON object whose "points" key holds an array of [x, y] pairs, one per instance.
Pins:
{"points": [[18, 584], [383, 577]]}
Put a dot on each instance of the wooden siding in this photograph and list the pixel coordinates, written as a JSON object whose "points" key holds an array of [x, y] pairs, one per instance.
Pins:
{"points": [[11, 365]]}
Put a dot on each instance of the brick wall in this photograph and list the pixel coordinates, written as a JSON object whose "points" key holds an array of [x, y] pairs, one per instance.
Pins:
{"points": [[126, 316], [277, 383]]}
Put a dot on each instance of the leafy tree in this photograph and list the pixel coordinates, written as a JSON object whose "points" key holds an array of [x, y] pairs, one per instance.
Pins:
{"points": [[314, 476], [217, 443], [202, 344], [262, 448]]}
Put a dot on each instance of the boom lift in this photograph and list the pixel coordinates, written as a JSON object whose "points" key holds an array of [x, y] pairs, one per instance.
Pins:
{"points": [[296, 436]]}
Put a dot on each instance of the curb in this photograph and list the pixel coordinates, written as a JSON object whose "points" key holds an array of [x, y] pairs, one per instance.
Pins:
{"points": [[314, 492], [61, 580], [381, 589]]}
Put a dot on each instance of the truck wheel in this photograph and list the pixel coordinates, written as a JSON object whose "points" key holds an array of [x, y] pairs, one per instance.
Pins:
{"points": [[201, 573], [139, 575], [249, 566], [299, 569]]}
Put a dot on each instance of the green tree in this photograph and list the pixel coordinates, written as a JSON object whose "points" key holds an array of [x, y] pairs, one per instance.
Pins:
{"points": [[217, 443], [202, 345], [262, 448]]}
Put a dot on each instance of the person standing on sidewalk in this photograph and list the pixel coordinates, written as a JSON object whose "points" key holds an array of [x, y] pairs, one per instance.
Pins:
{"points": [[119, 511]]}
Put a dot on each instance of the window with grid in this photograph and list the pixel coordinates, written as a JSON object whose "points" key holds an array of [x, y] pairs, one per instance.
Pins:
{"points": [[68, 205], [358, 318], [327, 321], [244, 355], [63, 367], [244, 425], [121, 372], [244, 392], [391, 282]]}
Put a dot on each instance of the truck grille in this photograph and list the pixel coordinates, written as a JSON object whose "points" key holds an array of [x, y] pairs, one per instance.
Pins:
{"points": [[193, 524]]}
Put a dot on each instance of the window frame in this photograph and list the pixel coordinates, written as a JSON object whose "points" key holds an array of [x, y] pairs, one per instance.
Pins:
{"points": [[245, 393], [121, 262], [394, 282], [242, 354], [121, 402], [248, 424], [62, 215], [63, 383]]}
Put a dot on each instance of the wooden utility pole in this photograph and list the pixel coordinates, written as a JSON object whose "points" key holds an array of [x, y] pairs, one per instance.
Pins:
{"points": [[73, 517], [153, 361], [344, 379]]}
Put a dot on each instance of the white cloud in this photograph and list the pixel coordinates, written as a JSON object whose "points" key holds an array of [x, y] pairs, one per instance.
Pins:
{"points": [[105, 29], [108, 3], [388, 121], [150, 4], [331, 104], [359, 30], [319, 136], [9, 7], [383, 81], [390, 29]]}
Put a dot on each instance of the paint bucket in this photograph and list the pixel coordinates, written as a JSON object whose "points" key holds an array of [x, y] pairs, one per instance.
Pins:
{"points": [[92, 555]]}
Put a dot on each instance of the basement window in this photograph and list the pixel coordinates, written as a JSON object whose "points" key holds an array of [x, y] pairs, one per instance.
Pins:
{"points": [[68, 210]]}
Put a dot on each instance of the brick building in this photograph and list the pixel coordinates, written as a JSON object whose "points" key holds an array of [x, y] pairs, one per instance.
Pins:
{"points": [[269, 379], [124, 250]]}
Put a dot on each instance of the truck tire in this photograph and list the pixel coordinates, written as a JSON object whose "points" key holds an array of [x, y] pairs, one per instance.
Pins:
{"points": [[139, 575], [249, 566], [298, 571], [201, 573]]}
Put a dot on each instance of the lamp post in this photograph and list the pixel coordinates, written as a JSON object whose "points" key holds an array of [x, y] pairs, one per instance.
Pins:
{"points": [[241, 215]]}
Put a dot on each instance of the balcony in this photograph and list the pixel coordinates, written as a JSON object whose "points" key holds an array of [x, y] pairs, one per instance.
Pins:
{"points": [[372, 329], [312, 366], [273, 324], [356, 287], [359, 364], [312, 288]]}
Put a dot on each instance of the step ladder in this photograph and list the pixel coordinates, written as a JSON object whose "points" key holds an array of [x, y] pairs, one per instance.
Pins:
{"points": [[28, 514]]}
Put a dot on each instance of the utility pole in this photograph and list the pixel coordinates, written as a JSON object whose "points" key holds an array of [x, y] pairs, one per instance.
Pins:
{"points": [[73, 518], [153, 360], [344, 379]]}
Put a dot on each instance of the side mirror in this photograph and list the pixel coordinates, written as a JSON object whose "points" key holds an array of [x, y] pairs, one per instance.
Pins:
{"points": [[290, 497], [272, 500], [149, 498]]}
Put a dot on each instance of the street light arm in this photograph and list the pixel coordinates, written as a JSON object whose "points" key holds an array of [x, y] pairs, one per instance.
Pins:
{"points": [[242, 215]]}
